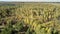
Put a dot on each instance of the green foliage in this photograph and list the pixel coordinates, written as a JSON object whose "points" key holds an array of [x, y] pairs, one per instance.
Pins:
{"points": [[8, 29], [31, 18], [18, 26]]}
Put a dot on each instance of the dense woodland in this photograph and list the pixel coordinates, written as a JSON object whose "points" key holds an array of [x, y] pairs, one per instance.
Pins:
{"points": [[29, 18]]}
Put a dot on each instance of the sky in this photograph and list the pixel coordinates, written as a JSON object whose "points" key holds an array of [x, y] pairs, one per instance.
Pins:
{"points": [[32, 0]]}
